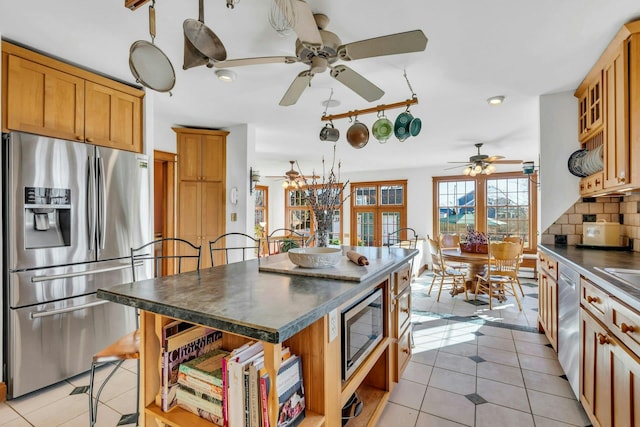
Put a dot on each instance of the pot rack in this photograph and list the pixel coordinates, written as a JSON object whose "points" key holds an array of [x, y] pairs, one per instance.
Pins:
{"points": [[376, 109]]}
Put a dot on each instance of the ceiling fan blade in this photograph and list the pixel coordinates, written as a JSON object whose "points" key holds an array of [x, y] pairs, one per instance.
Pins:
{"points": [[356, 83], [507, 162], [492, 159], [305, 26], [298, 86], [240, 62], [410, 41], [453, 167]]}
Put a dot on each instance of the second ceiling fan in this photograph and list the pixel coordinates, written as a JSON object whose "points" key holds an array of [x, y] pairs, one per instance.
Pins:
{"points": [[319, 49], [483, 163]]}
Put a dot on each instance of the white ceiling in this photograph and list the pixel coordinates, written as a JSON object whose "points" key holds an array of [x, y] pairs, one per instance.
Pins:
{"points": [[476, 49]]}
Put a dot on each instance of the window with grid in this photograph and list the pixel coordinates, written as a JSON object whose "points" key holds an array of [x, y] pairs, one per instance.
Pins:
{"points": [[377, 209], [299, 216], [499, 205]]}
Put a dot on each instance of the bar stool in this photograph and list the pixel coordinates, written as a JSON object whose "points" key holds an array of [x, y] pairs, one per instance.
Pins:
{"points": [[161, 252], [233, 242]]}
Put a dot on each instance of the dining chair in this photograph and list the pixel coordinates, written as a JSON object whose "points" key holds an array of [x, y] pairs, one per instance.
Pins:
{"points": [[452, 241], [165, 254], [497, 281], [233, 243], [518, 241], [443, 272], [282, 239]]}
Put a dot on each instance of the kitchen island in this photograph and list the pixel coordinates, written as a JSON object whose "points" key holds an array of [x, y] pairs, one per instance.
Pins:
{"points": [[301, 312]]}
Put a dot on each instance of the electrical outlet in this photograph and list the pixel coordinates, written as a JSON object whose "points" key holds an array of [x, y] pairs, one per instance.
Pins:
{"points": [[333, 324], [234, 216]]}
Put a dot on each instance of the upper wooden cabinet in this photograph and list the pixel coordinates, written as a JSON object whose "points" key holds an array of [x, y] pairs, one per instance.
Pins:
{"points": [[608, 114], [590, 108], [201, 154], [45, 96]]}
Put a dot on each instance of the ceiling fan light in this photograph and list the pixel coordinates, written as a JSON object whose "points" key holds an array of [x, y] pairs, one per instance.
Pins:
{"points": [[473, 172], [467, 170], [225, 75], [285, 184], [491, 169], [477, 169]]}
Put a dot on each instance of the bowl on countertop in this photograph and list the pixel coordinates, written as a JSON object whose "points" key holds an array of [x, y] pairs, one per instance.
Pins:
{"points": [[316, 257]]}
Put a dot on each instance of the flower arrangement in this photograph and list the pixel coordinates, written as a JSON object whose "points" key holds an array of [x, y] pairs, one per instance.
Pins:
{"points": [[475, 241], [324, 194]]}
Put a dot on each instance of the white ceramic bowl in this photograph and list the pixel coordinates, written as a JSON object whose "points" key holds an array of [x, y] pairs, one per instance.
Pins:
{"points": [[315, 257]]}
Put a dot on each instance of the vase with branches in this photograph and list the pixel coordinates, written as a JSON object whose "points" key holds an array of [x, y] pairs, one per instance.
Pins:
{"points": [[324, 194]]}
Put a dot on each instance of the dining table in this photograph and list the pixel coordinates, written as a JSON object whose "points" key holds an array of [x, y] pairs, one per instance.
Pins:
{"points": [[475, 262]]}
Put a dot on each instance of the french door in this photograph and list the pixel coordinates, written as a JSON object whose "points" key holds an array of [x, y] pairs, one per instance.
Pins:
{"points": [[377, 209]]}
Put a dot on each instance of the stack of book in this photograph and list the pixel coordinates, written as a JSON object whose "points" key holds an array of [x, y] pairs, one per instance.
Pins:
{"points": [[182, 342], [231, 388]]}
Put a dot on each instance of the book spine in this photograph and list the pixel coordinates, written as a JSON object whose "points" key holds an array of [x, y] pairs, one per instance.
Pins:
{"points": [[200, 386], [201, 413], [203, 376], [203, 396], [264, 393], [254, 399], [225, 393], [190, 399], [247, 402]]}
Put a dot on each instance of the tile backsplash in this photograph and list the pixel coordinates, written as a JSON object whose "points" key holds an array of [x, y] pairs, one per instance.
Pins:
{"points": [[567, 229]]}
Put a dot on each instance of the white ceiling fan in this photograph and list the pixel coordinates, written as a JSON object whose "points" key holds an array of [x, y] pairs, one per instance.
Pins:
{"points": [[483, 163], [319, 49]]}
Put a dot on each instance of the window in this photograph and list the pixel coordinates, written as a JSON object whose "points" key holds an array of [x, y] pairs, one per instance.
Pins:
{"points": [[261, 210], [377, 209], [499, 205], [299, 215]]}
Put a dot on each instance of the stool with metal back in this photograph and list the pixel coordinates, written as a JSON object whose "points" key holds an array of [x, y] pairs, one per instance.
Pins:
{"points": [[167, 255], [233, 247]]}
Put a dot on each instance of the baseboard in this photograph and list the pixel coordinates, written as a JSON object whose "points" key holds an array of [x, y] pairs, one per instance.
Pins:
{"points": [[3, 392]]}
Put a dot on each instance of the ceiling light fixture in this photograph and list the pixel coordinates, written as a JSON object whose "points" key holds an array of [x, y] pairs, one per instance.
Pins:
{"points": [[495, 100], [225, 75]]}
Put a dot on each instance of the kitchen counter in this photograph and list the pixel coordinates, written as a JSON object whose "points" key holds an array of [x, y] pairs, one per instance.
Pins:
{"points": [[240, 299], [585, 261]]}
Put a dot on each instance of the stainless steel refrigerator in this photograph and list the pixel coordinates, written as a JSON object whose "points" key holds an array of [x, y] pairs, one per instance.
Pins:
{"points": [[71, 213]]}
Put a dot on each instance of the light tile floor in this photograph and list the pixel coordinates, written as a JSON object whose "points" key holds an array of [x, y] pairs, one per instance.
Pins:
{"points": [[471, 366]]}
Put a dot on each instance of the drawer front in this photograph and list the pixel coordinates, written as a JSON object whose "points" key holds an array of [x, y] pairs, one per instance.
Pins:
{"points": [[548, 265], [625, 324], [403, 311], [402, 279], [594, 299], [403, 352]]}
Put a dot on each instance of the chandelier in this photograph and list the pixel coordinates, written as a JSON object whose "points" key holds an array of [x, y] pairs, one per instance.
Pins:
{"points": [[479, 168]]}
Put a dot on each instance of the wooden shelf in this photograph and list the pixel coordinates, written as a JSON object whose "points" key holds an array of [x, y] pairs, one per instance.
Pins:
{"points": [[373, 403], [359, 375], [179, 416]]}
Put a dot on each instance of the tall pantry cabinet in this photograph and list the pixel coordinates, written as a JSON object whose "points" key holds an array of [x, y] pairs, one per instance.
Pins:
{"points": [[201, 188]]}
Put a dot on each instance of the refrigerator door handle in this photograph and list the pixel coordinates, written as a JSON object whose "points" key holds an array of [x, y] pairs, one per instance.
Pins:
{"points": [[36, 279], [102, 212], [91, 203], [48, 313]]}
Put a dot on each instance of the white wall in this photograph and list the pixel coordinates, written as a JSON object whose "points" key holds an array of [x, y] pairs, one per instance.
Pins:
{"points": [[558, 139]]}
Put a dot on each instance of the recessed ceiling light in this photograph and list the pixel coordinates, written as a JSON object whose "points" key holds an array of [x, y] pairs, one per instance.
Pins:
{"points": [[495, 100], [226, 75], [330, 103]]}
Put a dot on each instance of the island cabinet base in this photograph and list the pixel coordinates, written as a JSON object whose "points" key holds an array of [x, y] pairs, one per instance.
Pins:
{"points": [[325, 392]]}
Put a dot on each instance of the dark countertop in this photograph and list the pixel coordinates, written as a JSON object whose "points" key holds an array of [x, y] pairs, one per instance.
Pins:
{"points": [[585, 260], [240, 299]]}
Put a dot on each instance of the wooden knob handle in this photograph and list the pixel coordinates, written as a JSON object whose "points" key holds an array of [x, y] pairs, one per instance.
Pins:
{"points": [[591, 299], [405, 277], [627, 328], [405, 309], [89, 139], [597, 182], [603, 339], [405, 350]]}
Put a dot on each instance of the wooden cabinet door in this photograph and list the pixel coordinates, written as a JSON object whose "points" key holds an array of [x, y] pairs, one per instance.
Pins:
{"points": [[625, 381], [616, 141], [44, 101], [583, 115], [213, 218], [548, 308], [595, 103], [189, 157], [189, 224], [213, 158], [595, 371], [113, 119]]}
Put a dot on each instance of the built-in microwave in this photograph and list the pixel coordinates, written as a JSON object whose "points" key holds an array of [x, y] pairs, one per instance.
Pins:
{"points": [[362, 330]]}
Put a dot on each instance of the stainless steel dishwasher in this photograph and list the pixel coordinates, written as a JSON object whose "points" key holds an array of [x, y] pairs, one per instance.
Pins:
{"points": [[569, 324]]}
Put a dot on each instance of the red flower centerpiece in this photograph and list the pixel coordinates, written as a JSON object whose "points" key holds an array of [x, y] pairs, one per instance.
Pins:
{"points": [[475, 242]]}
